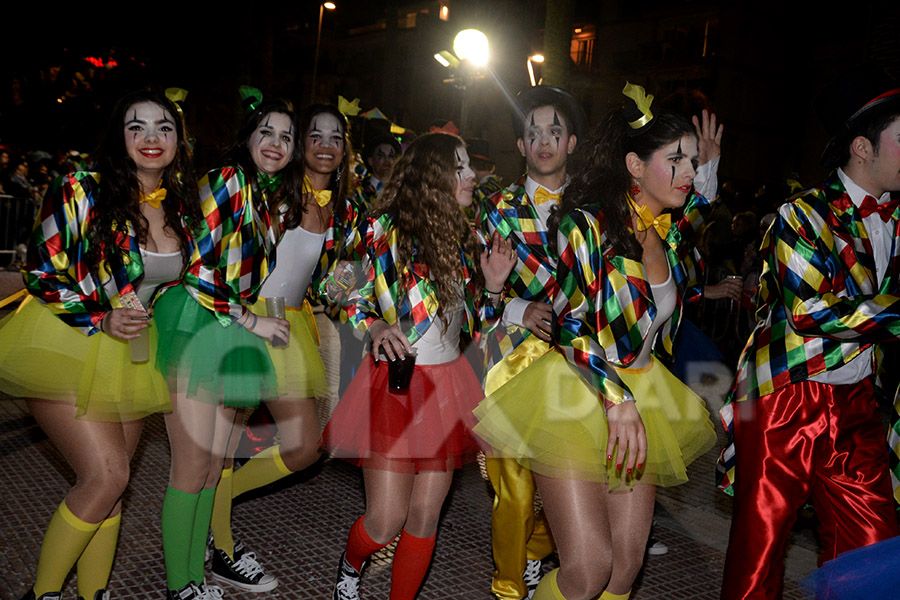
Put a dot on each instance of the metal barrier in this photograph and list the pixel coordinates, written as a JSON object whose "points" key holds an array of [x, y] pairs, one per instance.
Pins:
{"points": [[13, 212]]}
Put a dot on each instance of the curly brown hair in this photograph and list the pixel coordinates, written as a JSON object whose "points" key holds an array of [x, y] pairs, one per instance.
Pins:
{"points": [[118, 202], [421, 198]]}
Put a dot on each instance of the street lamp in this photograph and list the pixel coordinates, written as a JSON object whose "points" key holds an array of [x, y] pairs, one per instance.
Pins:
{"points": [[470, 55], [322, 7], [536, 58]]}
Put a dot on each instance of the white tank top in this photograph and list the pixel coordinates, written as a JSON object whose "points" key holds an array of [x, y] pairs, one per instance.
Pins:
{"points": [[297, 256], [158, 269], [664, 297]]}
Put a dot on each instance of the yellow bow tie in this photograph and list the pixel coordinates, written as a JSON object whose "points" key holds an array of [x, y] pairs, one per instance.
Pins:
{"points": [[155, 197], [646, 220], [323, 197], [543, 195]]}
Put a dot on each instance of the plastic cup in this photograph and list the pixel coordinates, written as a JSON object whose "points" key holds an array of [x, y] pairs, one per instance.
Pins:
{"points": [[140, 346], [275, 308], [400, 371]]}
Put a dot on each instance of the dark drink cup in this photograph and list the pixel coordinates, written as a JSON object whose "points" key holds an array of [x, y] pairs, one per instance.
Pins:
{"points": [[400, 371]]}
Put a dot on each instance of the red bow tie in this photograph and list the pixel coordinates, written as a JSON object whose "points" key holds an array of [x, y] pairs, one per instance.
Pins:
{"points": [[870, 205]]}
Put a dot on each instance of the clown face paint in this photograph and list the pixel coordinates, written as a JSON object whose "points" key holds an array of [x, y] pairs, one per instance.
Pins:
{"points": [[667, 178], [271, 145], [323, 146], [546, 145], [465, 178], [382, 160], [151, 141]]}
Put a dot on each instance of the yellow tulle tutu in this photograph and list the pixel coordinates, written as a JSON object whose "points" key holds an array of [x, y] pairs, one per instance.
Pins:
{"points": [[551, 421], [42, 357], [298, 365]]}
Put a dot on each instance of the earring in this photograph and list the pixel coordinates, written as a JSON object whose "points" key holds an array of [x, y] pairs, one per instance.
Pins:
{"points": [[635, 189], [337, 175]]}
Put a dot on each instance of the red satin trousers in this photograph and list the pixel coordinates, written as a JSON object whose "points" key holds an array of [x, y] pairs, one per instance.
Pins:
{"points": [[807, 439]]}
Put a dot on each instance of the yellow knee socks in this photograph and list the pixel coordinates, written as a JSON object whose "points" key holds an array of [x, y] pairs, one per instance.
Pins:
{"points": [[65, 540], [221, 515], [96, 561], [548, 589], [263, 469], [611, 596]]}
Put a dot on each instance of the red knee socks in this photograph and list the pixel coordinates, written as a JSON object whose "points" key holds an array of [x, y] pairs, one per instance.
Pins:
{"points": [[411, 560], [360, 546]]}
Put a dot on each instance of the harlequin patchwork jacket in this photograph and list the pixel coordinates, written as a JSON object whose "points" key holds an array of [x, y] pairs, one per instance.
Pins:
{"points": [[604, 309], [341, 243], [514, 215], [56, 272], [235, 245], [414, 306], [819, 301]]}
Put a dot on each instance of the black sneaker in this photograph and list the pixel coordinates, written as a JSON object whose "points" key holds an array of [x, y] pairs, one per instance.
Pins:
{"points": [[188, 592], [98, 595], [243, 572], [532, 575], [347, 585], [47, 596]]}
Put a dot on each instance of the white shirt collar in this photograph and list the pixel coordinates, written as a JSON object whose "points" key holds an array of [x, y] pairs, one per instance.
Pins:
{"points": [[856, 193]]}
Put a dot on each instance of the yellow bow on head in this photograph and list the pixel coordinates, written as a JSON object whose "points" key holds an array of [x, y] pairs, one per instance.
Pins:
{"points": [[323, 197], [646, 220], [544, 195], [155, 197], [347, 108]]}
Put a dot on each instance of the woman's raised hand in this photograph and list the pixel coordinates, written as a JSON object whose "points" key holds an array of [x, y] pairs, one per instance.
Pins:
{"points": [[497, 262]]}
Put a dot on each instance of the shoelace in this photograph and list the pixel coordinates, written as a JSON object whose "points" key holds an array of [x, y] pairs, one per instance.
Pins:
{"points": [[210, 592], [248, 566], [532, 573]]}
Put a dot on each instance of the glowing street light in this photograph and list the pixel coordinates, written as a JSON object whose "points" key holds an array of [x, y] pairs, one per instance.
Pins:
{"points": [[536, 58], [322, 7], [472, 45]]}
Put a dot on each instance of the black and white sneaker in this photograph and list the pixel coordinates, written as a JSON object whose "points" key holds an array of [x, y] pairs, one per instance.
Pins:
{"points": [[210, 592], [532, 575], [243, 572], [188, 592], [347, 585], [98, 595]]}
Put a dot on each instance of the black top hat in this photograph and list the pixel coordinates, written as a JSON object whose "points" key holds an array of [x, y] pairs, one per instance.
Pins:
{"points": [[479, 148], [378, 139], [546, 95], [854, 100]]}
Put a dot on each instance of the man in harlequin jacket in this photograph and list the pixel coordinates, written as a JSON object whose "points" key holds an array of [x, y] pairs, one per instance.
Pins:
{"points": [[802, 413], [547, 132]]}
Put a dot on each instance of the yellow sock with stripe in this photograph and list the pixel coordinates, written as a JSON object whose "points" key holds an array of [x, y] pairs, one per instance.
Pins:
{"points": [[65, 540], [611, 596], [96, 561], [548, 589], [263, 469], [220, 524]]}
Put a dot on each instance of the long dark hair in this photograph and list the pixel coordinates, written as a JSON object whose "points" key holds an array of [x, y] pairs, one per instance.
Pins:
{"points": [[601, 176], [238, 155], [421, 197], [118, 202], [341, 182]]}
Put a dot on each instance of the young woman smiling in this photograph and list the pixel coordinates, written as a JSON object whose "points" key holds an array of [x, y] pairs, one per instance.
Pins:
{"points": [[102, 238], [213, 348]]}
